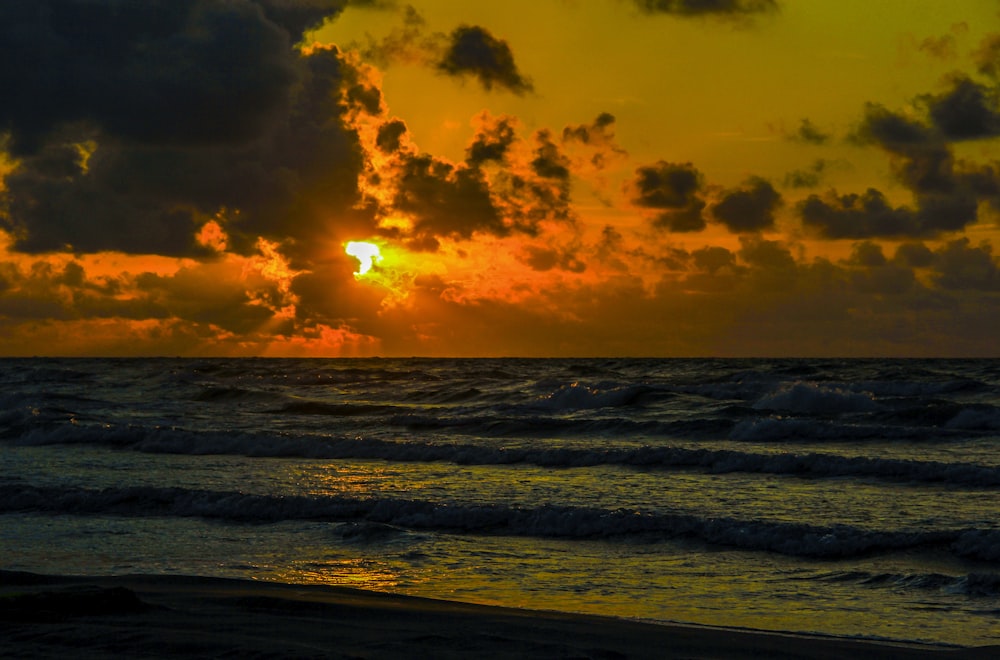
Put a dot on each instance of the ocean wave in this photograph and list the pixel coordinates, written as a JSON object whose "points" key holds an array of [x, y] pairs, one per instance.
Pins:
{"points": [[780, 428], [979, 417], [814, 399], [715, 461], [219, 394], [794, 539], [331, 409], [985, 585], [577, 396]]}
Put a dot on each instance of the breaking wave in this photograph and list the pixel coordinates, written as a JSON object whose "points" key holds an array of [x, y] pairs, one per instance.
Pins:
{"points": [[804, 540]]}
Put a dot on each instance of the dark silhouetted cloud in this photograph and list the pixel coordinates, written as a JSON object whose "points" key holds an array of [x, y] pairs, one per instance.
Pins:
{"points": [[891, 130], [809, 178], [944, 47], [674, 190], [473, 51], [960, 266], [389, 134], [946, 192], [749, 208], [867, 254], [870, 215], [445, 200], [914, 255], [809, 132], [966, 111], [707, 7], [598, 136], [178, 71], [493, 139], [96, 183]]}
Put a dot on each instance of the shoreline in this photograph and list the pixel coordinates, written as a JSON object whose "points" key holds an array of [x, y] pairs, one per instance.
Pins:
{"points": [[45, 616]]}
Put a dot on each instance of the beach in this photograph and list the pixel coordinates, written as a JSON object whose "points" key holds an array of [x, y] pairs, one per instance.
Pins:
{"points": [[164, 616]]}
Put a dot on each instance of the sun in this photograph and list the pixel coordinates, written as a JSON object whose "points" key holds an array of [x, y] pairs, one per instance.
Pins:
{"points": [[366, 254]]}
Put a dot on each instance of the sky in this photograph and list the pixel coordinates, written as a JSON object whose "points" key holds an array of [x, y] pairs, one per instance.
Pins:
{"points": [[539, 178]]}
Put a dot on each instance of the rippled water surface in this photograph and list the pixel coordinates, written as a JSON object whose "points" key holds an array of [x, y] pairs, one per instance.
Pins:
{"points": [[852, 497]]}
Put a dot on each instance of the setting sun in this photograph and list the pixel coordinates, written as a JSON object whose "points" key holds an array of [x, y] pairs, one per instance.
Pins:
{"points": [[366, 254]]}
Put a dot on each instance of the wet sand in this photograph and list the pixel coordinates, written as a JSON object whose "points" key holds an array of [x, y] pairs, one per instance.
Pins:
{"points": [[172, 616]]}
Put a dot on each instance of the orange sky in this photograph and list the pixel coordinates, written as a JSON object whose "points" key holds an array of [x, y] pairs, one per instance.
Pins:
{"points": [[605, 177]]}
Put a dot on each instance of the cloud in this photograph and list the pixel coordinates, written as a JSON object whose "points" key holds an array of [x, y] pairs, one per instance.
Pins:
{"points": [[707, 7], [599, 137], [966, 111], [469, 50], [445, 200], [810, 133], [389, 135], [808, 178], [987, 56], [749, 208], [300, 16], [177, 72], [914, 255], [547, 258], [942, 48], [236, 120], [473, 51], [947, 192], [409, 44], [871, 215], [959, 266], [493, 140], [673, 189]]}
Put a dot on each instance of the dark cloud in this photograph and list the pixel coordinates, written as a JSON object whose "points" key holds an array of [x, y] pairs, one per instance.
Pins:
{"points": [[864, 216], [809, 178], [473, 51], [389, 134], [445, 200], [85, 190], [944, 47], [886, 279], [547, 258], [549, 162], [707, 7], [966, 111], [598, 131], [891, 131], [713, 259], [810, 133], [492, 141], [409, 43], [674, 189], [749, 208], [162, 71], [867, 254], [946, 192], [771, 255], [957, 265], [300, 16], [599, 136], [914, 255], [988, 56]]}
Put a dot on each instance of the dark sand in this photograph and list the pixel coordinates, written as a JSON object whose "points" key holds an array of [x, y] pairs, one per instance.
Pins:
{"points": [[168, 616]]}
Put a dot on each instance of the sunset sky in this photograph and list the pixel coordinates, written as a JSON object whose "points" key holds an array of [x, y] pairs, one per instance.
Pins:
{"points": [[542, 178]]}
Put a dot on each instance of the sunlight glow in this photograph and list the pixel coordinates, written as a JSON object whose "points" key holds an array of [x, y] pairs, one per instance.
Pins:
{"points": [[365, 253]]}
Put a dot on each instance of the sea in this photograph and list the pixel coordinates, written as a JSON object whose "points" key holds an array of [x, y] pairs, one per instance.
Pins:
{"points": [[855, 498]]}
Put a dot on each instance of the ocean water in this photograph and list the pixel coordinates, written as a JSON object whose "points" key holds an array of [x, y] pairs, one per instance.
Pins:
{"points": [[844, 497]]}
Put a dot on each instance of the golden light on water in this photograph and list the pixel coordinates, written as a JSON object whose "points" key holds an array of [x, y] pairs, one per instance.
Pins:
{"points": [[366, 254]]}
